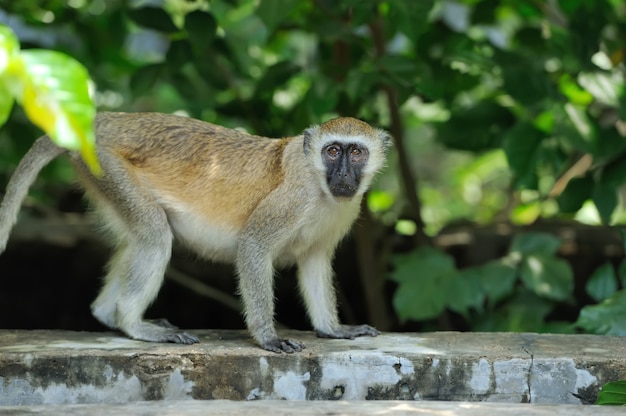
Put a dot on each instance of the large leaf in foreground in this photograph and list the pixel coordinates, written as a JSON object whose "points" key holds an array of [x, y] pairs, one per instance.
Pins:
{"points": [[53, 89], [9, 46]]}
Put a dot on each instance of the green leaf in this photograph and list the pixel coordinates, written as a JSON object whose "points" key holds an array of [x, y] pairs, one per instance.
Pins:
{"points": [[613, 393], [178, 54], [201, 27], [524, 312], [524, 79], [145, 77], [6, 103], [605, 87], [497, 280], [274, 12], [614, 174], [608, 146], [622, 273], [522, 146], [425, 277], [573, 91], [322, 96], [573, 130], [547, 276], [402, 71], [410, 16], [274, 78], [465, 130], [53, 89], [468, 292], [577, 191], [603, 283], [605, 198], [582, 125], [606, 317], [9, 47], [535, 243], [153, 18]]}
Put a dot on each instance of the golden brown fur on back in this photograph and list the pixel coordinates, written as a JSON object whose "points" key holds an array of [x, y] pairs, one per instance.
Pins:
{"points": [[168, 152]]}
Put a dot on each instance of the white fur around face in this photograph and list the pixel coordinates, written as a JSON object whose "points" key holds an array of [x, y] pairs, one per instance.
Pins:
{"points": [[375, 141]]}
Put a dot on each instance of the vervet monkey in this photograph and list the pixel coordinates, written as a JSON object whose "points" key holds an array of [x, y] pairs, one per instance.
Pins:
{"points": [[227, 195]]}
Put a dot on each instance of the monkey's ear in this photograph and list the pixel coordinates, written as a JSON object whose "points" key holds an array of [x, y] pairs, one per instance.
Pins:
{"points": [[386, 138], [308, 138]]}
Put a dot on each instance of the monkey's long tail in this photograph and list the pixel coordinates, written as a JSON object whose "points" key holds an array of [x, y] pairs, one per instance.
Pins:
{"points": [[39, 155]]}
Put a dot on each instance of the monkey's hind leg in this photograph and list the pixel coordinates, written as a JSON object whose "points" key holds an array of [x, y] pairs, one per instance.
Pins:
{"points": [[138, 266]]}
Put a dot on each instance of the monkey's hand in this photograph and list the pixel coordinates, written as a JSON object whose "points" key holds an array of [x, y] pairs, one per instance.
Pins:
{"points": [[279, 345], [349, 332]]}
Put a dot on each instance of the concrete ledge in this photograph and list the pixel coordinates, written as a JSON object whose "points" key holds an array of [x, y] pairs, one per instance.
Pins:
{"points": [[302, 408], [62, 367]]}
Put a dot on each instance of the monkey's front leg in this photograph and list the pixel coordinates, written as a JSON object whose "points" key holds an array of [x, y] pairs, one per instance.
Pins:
{"points": [[256, 276], [315, 275]]}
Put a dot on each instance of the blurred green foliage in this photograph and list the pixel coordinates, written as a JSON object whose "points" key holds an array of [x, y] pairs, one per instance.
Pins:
{"points": [[501, 110]]}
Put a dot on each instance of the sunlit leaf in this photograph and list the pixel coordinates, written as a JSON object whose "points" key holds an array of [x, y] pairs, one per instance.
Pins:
{"points": [[6, 103], [379, 201], [53, 89], [605, 87], [573, 91], [613, 393], [526, 213], [603, 283], [9, 46]]}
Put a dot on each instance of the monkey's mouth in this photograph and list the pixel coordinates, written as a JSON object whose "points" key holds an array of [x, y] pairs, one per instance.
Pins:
{"points": [[343, 190]]}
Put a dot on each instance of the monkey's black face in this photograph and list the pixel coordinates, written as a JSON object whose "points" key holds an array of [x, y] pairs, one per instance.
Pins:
{"points": [[344, 163]]}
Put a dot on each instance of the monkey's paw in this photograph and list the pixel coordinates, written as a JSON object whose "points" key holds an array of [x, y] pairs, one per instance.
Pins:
{"points": [[349, 332], [161, 332], [279, 345]]}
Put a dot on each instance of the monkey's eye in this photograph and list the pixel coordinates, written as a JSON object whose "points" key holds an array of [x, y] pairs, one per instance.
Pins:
{"points": [[356, 152], [333, 151]]}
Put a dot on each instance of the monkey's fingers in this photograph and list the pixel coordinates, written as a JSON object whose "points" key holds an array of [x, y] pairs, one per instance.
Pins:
{"points": [[185, 338], [148, 331], [283, 345]]}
